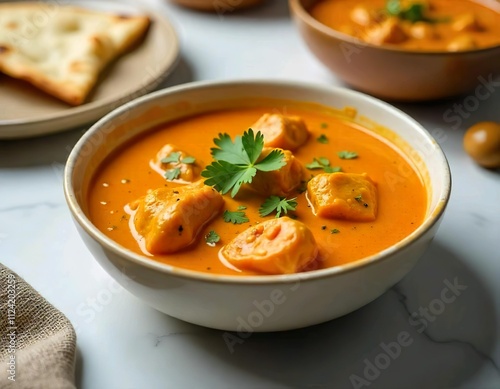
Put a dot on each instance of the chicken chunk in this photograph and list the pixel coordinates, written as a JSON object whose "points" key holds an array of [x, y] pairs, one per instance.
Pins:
{"points": [[177, 164], [422, 30], [280, 182], [277, 246], [285, 132], [170, 219], [348, 196], [389, 31], [466, 22], [364, 16], [461, 43]]}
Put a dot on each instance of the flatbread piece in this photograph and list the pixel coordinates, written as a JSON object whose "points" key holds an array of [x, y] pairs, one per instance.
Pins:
{"points": [[62, 49]]}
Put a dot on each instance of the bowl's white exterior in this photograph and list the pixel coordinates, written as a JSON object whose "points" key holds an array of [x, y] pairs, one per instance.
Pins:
{"points": [[251, 303]]}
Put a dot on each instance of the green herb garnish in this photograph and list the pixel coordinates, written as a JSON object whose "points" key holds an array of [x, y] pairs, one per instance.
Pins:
{"points": [[323, 163], [347, 154], [278, 204], [334, 231], [322, 139], [188, 160], [236, 163], [236, 217], [173, 157], [415, 12], [212, 238], [172, 174], [324, 125]]}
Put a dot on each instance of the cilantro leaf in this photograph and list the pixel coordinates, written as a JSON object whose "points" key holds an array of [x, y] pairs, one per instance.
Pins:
{"points": [[236, 217], [332, 169], [188, 160], [172, 174], [414, 12], [322, 139], [252, 145], [315, 164], [236, 162], [323, 163], [393, 7], [241, 208], [273, 161], [347, 154], [212, 238], [172, 157], [278, 204], [229, 151]]}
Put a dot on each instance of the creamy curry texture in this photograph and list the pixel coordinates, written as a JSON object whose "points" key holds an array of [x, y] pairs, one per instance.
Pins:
{"points": [[427, 25], [251, 191]]}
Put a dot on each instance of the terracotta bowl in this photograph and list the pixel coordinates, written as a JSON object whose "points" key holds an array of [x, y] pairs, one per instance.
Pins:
{"points": [[391, 73], [221, 6], [252, 303]]}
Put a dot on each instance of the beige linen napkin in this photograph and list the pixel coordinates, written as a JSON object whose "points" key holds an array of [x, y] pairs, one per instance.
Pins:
{"points": [[38, 343]]}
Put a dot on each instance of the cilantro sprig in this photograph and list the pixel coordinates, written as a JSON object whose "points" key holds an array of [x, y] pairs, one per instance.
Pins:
{"points": [[278, 204], [235, 163]]}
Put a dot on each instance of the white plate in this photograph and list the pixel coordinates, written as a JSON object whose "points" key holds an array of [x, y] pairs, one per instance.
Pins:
{"points": [[25, 111]]}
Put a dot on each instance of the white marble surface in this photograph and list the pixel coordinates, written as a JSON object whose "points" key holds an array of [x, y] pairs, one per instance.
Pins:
{"points": [[123, 343]]}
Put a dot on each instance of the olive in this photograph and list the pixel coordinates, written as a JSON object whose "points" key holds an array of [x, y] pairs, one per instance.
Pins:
{"points": [[482, 143]]}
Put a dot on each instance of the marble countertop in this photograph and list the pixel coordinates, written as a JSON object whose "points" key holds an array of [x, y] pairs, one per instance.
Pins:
{"points": [[122, 343]]}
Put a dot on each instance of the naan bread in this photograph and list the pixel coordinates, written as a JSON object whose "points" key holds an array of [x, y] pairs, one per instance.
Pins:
{"points": [[63, 49]]}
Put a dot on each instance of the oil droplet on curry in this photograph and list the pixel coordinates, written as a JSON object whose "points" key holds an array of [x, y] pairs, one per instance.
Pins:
{"points": [[324, 192]]}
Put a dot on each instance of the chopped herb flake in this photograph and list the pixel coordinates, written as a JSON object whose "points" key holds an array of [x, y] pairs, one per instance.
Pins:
{"points": [[322, 139], [173, 157], [237, 217], [212, 238], [332, 169], [334, 231], [172, 174], [324, 125], [323, 163], [188, 160], [278, 204], [347, 154]]}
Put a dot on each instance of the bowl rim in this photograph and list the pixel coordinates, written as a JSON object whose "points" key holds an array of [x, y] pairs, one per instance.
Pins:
{"points": [[298, 9], [170, 270]]}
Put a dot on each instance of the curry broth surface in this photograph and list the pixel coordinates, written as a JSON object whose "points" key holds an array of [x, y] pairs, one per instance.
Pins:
{"points": [[335, 14], [126, 176]]}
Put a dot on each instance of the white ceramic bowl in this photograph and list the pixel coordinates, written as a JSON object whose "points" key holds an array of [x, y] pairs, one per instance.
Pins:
{"points": [[252, 303]]}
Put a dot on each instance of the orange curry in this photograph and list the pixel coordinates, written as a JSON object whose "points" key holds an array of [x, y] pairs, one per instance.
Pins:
{"points": [[427, 25], [345, 192]]}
